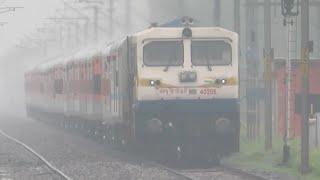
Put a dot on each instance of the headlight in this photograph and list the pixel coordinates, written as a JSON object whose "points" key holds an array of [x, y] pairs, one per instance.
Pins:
{"points": [[154, 82], [187, 33]]}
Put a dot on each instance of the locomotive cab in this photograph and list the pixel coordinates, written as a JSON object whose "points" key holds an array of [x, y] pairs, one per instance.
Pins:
{"points": [[187, 88]]}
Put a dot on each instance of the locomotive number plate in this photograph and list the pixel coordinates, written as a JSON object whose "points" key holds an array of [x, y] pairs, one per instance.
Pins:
{"points": [[173, 91], [208, 91], [188, 91]]}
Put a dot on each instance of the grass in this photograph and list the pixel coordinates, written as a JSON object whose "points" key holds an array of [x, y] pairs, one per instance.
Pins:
{"points": [[253, 156]]}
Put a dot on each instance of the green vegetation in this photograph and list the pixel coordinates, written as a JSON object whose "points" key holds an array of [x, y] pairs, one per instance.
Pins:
{"points": [[253, 156]]}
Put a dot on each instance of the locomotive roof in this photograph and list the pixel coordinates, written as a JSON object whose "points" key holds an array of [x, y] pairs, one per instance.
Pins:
{"points": [[160, 29], [78, 56], [103, 49]]}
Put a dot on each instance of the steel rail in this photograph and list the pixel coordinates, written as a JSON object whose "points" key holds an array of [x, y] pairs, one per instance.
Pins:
{"points": [[242, 172], [41, 158], [226, 170], [173, 171], [222, 168]]}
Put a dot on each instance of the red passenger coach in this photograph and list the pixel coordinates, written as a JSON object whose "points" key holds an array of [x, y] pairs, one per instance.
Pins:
{"points": [[96, 95], [280, 88]]}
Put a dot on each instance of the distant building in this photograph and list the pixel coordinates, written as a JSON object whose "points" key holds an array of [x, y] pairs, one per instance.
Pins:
{"points": [[280, 94]]}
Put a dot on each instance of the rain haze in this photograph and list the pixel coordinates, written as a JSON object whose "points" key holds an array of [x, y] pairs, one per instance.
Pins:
{"points": [[160, 89]]}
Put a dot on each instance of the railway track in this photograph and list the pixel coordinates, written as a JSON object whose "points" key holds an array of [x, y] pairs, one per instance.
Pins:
{"points": [[54, 171], [216, 173]]}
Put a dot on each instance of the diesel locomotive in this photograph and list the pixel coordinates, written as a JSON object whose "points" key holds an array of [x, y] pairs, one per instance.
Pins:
{"points": [[176, 87]]}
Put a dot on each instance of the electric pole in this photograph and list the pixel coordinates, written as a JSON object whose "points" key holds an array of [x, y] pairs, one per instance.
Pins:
{"points": [[3, 23], [216, 12], [84, 17], [111, 18], [96, 12], [71, 21], [86, 32], [182, 8], [60, 34], [305, 50], [289, 10], [128, 16], [95, 23], [268, 56], [252, 74], [237, 16], [237, 29]]}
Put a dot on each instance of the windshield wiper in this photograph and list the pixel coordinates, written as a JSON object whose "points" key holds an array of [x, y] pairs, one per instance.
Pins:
{"points": [[208, 65], [166, 68], [168, 65]]}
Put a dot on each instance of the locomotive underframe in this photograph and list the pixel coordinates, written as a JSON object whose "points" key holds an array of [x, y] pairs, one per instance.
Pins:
{"points": [[187, 127], [190, 127]]}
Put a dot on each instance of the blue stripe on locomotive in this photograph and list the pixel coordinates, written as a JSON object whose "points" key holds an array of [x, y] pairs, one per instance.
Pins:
{"points": [[212, 106]]}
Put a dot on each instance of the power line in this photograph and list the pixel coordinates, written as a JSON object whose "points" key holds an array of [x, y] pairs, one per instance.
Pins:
{"points": [[2, 2], [8, 9], [268, 55]]}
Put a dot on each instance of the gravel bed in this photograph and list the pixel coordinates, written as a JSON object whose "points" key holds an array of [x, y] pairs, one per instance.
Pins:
{"points": [[78, 157], [272, 175], [215, 174], [82, 159], [263, 174], [18, 164]]}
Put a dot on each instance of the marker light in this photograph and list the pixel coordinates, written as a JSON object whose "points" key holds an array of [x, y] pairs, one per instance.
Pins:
{"points": [[221, 81], [152, 83]]}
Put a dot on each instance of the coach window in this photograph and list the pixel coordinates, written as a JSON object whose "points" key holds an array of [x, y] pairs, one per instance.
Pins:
{"points": [[90, 72], [163, 53], [211, 53], [87, 71], [105, 66], [97, 83], [82, 72], [58, 86]]}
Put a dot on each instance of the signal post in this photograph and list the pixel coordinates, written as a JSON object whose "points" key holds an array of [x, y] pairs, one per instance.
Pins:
{"points": [[305, 50]]}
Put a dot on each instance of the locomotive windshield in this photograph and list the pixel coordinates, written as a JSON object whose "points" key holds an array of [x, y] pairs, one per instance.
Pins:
{"points": [[210, 53], [163, 53]]}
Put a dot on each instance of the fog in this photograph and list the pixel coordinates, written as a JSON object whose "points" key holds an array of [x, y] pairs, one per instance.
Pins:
{"points": [[215, 104], [23, 44], [20, 50]]}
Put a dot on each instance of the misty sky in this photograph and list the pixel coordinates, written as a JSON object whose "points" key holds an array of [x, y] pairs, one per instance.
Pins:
{"points": [[23, 21]]}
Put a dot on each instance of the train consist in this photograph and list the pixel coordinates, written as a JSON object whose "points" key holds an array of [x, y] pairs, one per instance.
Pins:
{"points": [[173, 88]]}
